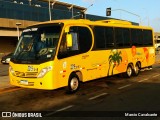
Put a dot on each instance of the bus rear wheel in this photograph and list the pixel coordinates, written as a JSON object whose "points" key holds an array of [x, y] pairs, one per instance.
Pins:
{"points": [[73, 84], [136, 70], [128, 72]]}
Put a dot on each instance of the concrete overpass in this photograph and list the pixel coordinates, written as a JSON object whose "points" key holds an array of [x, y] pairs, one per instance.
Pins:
{"points": [[8, 33]]}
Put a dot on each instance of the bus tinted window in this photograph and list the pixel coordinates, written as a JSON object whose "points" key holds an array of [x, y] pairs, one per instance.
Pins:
{"points": [[122, 37], [134, 37], [137, 37], [119, 37], [126, 37], [147, 35], [85, 39], [140, 37], [81, 39], [109, 35], [104, 37], [100, 37]]}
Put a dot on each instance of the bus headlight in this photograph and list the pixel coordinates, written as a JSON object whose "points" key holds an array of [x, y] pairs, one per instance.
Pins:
{"points": [[11, 71], [8, 60], [44, 71]]}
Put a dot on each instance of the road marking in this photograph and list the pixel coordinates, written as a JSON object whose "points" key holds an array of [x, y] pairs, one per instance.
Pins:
{"points": [[92, 98], [124, 86], [155, 76], [143, 80], [12, 89], [59, 110], [65, 108]]}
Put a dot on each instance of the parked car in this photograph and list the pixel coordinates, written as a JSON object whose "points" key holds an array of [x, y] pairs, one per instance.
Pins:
{"points": [[6, 59]]}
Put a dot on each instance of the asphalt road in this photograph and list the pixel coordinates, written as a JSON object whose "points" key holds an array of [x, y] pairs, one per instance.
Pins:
{"points": [[3, 69], [107, 97]]}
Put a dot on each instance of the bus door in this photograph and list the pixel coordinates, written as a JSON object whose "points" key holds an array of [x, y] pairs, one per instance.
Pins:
{"points": [[73, 51]]}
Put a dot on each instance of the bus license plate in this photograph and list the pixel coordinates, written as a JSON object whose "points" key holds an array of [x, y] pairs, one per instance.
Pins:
{"points": [[24, 82]]}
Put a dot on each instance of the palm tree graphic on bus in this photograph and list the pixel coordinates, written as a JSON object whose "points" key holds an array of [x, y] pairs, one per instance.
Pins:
{"points": [[114, 60]]}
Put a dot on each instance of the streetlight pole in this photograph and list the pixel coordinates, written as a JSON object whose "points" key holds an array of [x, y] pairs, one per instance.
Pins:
{"points": [[30, 2], [147, 16], [72, 10], [87, 9], [129, 13], [50, 15], [49, 10], [18, 24]]}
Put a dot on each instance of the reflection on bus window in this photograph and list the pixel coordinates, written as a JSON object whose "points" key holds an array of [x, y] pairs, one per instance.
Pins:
{"points": [[37, 44], [75, 41]]}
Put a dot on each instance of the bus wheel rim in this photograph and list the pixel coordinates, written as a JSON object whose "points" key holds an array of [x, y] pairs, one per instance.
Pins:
{"points": [[74, 83], [129, 71], [136, 69]]}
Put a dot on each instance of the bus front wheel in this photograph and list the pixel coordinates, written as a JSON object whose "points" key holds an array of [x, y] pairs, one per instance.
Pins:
{"points": [[73, 84]]}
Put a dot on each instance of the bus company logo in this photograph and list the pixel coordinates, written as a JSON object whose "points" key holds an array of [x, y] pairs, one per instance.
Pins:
{"points": [[6, 114], [31, 68]]}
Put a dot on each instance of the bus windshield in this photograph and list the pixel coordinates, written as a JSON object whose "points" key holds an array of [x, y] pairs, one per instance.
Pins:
{"points": [[37, 44]]}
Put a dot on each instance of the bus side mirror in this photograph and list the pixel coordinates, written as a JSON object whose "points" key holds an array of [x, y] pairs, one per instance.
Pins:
{"points": [[69, 40], [67, 29]]}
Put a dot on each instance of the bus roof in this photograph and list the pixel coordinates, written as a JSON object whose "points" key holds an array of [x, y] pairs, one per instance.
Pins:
{"points": [[108, 22]]}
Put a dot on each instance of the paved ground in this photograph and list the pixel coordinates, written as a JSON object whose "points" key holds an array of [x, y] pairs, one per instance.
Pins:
{"points": [[113, 94], [158, 58], [4, 82]]}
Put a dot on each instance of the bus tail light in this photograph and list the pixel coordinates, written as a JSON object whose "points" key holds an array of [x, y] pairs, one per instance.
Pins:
{"points": [[44, 71]]}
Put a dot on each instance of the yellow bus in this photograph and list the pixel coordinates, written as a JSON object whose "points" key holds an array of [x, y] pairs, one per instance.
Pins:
{"points": [[63, 53]]}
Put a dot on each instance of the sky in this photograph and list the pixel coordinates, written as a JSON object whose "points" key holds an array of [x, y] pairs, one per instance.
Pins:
{"points": [[146, 12]]}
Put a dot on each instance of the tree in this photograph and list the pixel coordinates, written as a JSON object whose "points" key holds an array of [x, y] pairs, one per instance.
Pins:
{"points": [[114, 59]]}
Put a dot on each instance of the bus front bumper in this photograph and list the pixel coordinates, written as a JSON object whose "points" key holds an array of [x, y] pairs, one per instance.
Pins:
{"points": [[37, 83]]}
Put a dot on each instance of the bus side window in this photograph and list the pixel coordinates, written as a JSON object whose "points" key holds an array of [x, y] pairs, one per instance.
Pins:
{"points": [[119, 37], [75, 41], [63, 45], [147, 34], [81, 42]]}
